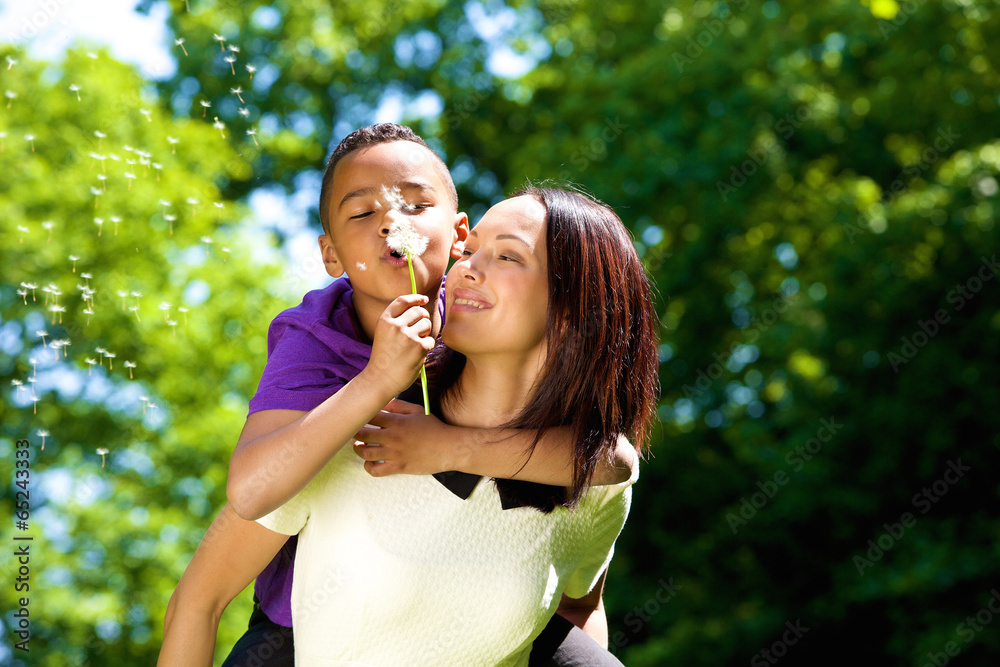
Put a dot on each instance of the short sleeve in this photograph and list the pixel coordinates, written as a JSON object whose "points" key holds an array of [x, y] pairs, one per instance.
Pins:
{"points": [[612, 506], [291, 518], [302, 371]]}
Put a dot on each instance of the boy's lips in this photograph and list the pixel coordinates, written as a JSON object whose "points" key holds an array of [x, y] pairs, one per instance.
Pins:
{"points": [[469, 300], [391, 259]]}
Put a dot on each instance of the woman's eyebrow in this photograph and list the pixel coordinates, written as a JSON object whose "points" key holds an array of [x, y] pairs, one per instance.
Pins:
{"points": [[501, 237]]}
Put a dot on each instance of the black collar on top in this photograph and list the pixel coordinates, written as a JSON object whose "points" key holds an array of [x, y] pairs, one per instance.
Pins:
{"points": [[460, 483]]}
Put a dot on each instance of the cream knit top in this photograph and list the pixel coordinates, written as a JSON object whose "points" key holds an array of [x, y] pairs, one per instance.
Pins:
{"points": [[401, 571]]}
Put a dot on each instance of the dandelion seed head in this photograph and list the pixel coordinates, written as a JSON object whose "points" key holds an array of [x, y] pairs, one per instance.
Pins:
{"points": [[403, 238], [192, 201], [102, 177], [230, 59], [207, 239], [121, 294], [169, 218], [178, 41], [10, 94], [17, 383], [129, 364], [136, 294], [48, 224], [99, 134], [129, 175], [29, 137], [243, 111], [115, 218], [164, 202], [165, 305], [102, 450], [219, 204], [236, 91], [205, 103], [97, 192], [73, 258], [87, 276], [182, 309], [362, 266], [23, 229], [88, 310], [172, 140], [90, 361], [74, 87], [234, 48]]}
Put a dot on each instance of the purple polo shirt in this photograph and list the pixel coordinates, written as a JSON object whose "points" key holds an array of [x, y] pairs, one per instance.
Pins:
{"points": [[313, 350]]}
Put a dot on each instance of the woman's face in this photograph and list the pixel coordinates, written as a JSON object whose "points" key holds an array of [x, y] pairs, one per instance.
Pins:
{"points": [[498, 292]]}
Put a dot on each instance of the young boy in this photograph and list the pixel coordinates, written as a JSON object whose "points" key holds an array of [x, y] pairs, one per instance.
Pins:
{"points": [[331, 358]]}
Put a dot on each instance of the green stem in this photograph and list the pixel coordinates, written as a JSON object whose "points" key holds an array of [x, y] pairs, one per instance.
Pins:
{"points": [[423, 372]]}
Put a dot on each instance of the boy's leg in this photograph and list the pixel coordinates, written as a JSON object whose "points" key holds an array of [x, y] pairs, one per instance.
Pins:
{"points": [[265, 643], [562, 644]]}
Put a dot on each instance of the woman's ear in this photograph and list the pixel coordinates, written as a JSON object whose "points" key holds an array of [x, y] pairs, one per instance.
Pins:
{"points": [[330, 260], [459, 235]]}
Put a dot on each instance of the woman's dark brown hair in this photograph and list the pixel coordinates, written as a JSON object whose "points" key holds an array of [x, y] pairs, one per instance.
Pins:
{"points": [[601, 373]]}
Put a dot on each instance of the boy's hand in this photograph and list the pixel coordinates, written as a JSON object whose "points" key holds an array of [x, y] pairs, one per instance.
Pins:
{"points": [[402, 439], [401, 343]]}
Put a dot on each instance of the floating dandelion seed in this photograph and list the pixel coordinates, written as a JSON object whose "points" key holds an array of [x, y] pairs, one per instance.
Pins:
{"points": [[173, 144], [56, 344], [97, 193], [34, 406], [236, 91], [23, 293], [147, 114], [24, 230], [86, 277], [10, 62], [64, 343], [207, 241], [165, 306], [180, 42], [233, 48], [76, 89], [103, 451], [252, 133], [158, 167], [90, 362], [100, 225], [115, 219], [362, 266], [251, 69], [220, 126], [205, 106], [34, 367], [88, 311], [165, 204], [32, 287], [221, 40], [18, 387], [43, 434], [130, 365], [42, 334], [123, 295], [114, 157], [135, 309], [54, 309], [103, 179], [130, 176], [111, 360], [231, 60], [100, 135], [30, 138], [184, 311], [100, 354], [173, 327], [74, 259], [145, 400], [219, 205], [243, 111], [227, 251], [100, 158], [48, 225], [11, 96], [170, 221]]}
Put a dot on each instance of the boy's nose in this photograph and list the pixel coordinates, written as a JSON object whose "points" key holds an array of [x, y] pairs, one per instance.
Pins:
{"points": [[387, 219]]}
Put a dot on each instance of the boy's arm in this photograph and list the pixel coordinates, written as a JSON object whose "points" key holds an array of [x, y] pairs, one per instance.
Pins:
{"points": [[279, 451], [587, 613], [231, 554], [406, 441]]}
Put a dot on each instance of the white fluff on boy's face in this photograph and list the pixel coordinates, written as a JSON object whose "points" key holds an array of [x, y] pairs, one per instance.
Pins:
{"points": [[498, 293], [361, 214]]}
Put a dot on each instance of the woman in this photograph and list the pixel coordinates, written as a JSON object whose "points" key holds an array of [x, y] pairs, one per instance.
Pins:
{"points": [[550, 322]]}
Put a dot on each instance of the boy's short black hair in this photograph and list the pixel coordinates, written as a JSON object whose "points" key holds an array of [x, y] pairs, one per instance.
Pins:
{"points": [[371, 135]]}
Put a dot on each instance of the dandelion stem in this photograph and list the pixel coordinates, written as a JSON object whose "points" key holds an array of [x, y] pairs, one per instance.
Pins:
{"points": [[423, 371]]}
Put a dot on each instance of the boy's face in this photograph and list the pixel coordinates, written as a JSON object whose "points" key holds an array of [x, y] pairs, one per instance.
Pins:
{"points": [[360, 217]]}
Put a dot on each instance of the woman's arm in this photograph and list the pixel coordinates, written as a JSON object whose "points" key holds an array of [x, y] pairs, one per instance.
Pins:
{"points": [[232, 553], [587, 613], [406, 441]]}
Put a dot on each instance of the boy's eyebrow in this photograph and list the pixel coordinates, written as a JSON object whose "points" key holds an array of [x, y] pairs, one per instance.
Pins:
{"points": [[403, 185]]}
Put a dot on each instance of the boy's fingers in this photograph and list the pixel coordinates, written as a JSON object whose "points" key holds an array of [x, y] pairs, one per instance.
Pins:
{"points": [[402, 407], [402, 303], [369, 452]]}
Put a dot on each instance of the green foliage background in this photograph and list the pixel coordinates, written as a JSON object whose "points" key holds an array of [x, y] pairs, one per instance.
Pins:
{"points": [[811, 186]]}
